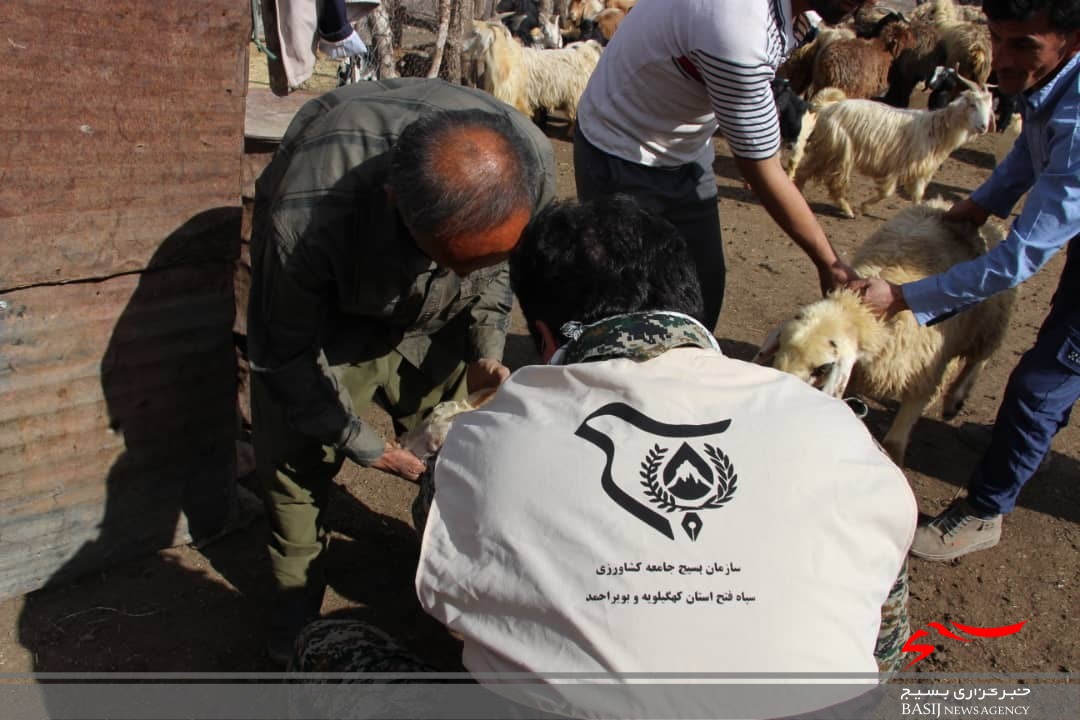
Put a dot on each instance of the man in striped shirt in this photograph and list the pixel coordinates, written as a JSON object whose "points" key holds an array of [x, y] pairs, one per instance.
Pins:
{"points": [[675, 73]]}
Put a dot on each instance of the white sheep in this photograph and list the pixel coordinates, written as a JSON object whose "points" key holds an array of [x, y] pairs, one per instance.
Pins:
{"points": [[891, 145], [838, 339], [529, 79]]}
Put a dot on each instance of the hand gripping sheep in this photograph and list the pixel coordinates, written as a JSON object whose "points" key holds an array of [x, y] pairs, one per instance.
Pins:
{"points": [[427, 438], [837, 339]]}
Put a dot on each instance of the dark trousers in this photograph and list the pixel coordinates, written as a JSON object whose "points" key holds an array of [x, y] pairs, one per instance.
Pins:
{"points": [[296, 471], [1038, 400], [685, 196]]}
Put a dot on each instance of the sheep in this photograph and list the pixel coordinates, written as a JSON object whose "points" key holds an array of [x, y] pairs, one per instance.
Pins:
{"points": [[860, 67], [945, 11], [606, 23], [790, 109], [888, 144], [949, 35], [798, 68], [427, 438], [822, 99], [530, 26], [869, 20], [967, 48], [838, 339], [533, 80], [579, 10], [915, 64]]}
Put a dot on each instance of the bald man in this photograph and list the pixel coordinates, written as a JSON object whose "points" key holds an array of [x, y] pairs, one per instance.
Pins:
{"points": [[379, 240]]}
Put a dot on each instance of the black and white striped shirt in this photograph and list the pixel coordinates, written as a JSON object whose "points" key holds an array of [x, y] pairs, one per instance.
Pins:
{"points": [[678, 70]]}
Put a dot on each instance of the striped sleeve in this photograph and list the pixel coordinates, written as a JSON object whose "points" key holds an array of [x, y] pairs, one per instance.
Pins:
{"points": [[742, 99]]}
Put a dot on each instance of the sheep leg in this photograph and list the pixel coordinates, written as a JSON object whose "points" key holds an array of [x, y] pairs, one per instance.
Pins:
{"points": [[837, 189], [918, 189], [799, 150], [896, 440], [885, 188], [960, 388], [838, 177]]}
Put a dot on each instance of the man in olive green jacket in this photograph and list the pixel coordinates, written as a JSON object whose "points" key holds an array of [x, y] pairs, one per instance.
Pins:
{"points": [[379, 240]]}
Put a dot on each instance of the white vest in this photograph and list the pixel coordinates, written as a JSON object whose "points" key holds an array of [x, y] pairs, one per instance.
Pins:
{"points": [[691, 513]]}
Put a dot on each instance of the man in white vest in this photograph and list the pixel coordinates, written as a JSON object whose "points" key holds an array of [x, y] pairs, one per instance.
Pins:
{"points": [[642, 503]]}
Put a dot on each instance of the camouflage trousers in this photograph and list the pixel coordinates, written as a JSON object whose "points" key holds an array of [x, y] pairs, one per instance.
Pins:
{"points": [[339, 645], [895, 625]]}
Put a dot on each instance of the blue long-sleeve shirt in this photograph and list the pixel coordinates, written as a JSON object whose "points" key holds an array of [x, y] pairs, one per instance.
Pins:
{"points": [[1045, 160]]}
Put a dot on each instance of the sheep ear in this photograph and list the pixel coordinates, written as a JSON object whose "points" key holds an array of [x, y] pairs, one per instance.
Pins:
{"points": [[767, 352]]}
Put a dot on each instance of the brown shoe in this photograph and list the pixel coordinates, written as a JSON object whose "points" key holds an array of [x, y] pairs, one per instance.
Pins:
{"points": [[957, 531]]}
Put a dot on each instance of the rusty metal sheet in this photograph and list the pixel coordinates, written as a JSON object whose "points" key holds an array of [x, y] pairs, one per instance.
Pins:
{"points": [[120, 220], [121, 121], [119, 414]]}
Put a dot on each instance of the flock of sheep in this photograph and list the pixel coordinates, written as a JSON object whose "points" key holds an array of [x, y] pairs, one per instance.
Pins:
{"points": [[842, 100]]}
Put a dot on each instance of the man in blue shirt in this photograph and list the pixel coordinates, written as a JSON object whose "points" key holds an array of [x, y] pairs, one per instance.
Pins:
{"points": [[1035, 52]]}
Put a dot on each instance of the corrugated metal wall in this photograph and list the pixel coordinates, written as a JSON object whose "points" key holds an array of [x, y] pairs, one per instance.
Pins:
{"points": [[121, 143]]}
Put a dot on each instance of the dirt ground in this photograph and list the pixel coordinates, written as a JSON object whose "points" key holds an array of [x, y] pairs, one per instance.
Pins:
{"points": [[189, 610]]}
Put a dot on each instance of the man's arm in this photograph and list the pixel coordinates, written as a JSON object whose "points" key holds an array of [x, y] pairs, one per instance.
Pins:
{"points": [[1013, 177], [740, 92], [1050, 218], [288, 311], [489, 319], [788, 208]]}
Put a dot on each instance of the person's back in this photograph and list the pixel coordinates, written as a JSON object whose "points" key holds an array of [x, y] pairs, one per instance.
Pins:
{"points": [[646, 504], [686, 513]]}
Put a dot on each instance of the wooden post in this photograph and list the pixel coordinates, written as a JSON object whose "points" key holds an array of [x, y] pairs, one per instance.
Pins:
{"points": [[383, 42]]}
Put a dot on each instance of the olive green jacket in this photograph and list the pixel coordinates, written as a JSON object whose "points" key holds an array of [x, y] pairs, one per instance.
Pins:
{"points": [[337, 278]]}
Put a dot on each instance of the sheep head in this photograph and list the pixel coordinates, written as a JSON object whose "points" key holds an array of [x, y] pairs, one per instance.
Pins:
{"points": [[824, 341], [480, 39], [978, 103], [897, 37]]}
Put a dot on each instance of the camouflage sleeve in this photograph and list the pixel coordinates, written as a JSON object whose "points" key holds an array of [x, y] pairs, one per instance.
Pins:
{"points": [[490, 317], [895, 625]]}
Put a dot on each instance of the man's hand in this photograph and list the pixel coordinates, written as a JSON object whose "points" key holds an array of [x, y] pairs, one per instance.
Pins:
{"points": [[836, 275], [967, 211], [485, 373], [883, 298], [399, 461]]}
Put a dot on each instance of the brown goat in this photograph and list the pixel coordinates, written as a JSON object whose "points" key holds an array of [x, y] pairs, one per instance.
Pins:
{"points": [[860, 67]]}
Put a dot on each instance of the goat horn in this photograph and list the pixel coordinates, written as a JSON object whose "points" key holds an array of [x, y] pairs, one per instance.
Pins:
{"points": [[969, 84]]}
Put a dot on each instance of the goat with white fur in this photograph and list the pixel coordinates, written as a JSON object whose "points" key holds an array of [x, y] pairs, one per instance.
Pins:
{"points": [[529, 79], [839, 339], [891, 145]]}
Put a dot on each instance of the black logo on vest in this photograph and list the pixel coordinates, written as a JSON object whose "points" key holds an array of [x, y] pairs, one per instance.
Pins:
{"points": [[687, 480]]}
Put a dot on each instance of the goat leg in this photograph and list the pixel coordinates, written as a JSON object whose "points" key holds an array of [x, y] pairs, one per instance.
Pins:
{"points": [[960, 388], [896, 440]]}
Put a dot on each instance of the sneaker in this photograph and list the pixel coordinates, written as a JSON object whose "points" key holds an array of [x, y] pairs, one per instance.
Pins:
{"points": [[956, 531]]}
